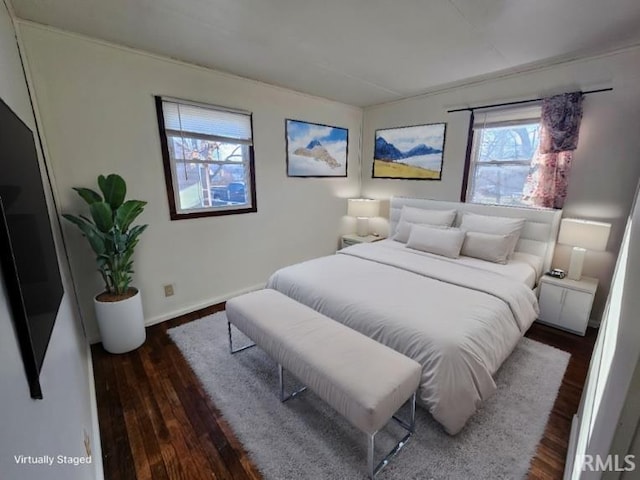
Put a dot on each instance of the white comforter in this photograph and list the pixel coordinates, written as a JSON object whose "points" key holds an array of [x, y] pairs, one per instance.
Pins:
{"points": [[460, 323]]}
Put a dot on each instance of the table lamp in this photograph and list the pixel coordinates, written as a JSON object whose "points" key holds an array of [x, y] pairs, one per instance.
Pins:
{"points": [[363, 209], [582, 235]]}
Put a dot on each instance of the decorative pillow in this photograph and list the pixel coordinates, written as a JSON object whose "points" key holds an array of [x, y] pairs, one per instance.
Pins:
{"points": [[421, 216], [432, 239], [403, 230], [430, 217], [486, 246], [512, 227]]}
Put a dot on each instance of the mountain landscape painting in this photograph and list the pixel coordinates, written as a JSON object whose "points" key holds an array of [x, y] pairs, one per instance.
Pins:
{"points": [[409, 152], [315, 150]]}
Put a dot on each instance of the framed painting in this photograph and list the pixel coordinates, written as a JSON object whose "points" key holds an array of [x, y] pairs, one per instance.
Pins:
{"points": [[316, 150], [411, 153]]}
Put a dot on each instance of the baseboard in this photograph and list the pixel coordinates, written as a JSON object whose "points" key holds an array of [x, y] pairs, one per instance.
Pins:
{"points": [[148, 322], [192, 308], [96, 445], [571, 450]]}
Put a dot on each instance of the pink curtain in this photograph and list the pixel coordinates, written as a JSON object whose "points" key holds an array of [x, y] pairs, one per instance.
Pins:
{"points": [[546, 184]]}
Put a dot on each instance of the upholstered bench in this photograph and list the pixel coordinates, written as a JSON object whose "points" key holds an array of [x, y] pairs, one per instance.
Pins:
{"points": [[365, 381]]}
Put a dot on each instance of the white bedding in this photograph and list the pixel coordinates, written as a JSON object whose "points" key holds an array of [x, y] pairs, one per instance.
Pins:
{"points": [[522, 267], [459, 321]]}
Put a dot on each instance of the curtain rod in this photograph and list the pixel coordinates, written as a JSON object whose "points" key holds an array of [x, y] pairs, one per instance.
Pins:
{"points": [[471, 109]]}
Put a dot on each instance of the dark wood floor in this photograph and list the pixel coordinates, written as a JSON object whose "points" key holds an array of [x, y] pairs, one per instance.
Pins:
{"points": [[156, 421]]}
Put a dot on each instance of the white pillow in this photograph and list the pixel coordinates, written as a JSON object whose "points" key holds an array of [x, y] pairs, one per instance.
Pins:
{"points": [[512, 227], [486, 246], [438, 240], [431, 217], [403, 230], [421, 216]]}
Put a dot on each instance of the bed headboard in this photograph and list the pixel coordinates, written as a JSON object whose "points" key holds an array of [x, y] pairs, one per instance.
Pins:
{"points": [[538, 236]]}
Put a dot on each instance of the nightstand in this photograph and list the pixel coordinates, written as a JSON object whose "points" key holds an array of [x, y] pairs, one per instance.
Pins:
{"points": [[566, 303], [352, 239]]}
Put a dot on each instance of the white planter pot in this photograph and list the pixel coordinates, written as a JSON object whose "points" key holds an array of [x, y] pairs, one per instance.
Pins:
{"points": [[121, 323]]}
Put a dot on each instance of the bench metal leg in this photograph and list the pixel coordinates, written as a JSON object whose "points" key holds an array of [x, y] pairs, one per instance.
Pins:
{"points": [[231, 350], [371, 448], [409, 426], [284, 397]]}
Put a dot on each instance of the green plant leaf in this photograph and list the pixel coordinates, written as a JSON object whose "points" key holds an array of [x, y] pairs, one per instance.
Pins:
{"points": [[88, 195], [97, 239], [113, 188], [102, 215], [127, 213], [75, 220], [120, 242], [81, 222], [96, 242], [102, 182], [109, 231], [108, 243], [136, 231]]}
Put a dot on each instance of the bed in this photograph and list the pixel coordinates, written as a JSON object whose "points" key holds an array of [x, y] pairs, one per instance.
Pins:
{"points": [[460, 318]]}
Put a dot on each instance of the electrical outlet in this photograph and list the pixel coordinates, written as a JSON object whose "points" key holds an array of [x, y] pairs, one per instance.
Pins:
{"points": [[168, 290]]}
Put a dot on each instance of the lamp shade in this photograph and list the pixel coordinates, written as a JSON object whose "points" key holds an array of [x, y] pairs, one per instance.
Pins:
{"points": [[584, 234], [363, 207]]}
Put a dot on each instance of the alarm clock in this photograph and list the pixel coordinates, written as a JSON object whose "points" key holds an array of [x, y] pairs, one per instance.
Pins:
{"points": [[556, 273]]}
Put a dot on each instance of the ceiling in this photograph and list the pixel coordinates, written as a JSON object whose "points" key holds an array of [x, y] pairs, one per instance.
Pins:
{"points": [[360, 52]]}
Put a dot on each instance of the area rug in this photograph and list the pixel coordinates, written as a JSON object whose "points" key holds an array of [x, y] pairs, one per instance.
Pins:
{"points": [[305, 439]]}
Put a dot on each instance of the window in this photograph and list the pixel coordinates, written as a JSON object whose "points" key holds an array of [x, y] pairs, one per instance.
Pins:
{"points": [[504, 143], [208, 159]]}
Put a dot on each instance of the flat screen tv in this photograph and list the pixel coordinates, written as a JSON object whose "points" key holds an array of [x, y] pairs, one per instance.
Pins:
{"points": [[27, 251]]}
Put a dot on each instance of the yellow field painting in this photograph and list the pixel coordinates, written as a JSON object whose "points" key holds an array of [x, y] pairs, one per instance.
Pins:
{"points": [[402, 170]]}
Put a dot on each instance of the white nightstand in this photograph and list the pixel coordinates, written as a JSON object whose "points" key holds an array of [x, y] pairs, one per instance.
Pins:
{"points": [[566, 303], [352, 239]]}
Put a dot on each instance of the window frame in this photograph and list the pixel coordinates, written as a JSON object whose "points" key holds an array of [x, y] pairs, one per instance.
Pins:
{"points": [[177, 213], [471, 163]]}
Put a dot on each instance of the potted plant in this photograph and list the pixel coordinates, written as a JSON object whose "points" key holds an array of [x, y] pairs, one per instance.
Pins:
{"points": [[113, 239]]}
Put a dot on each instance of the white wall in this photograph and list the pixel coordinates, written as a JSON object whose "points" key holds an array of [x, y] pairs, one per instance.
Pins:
{"points": [[96, 102], [607, 161], [626, 439], [635, 451], [56, 424], [609, 414]]}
